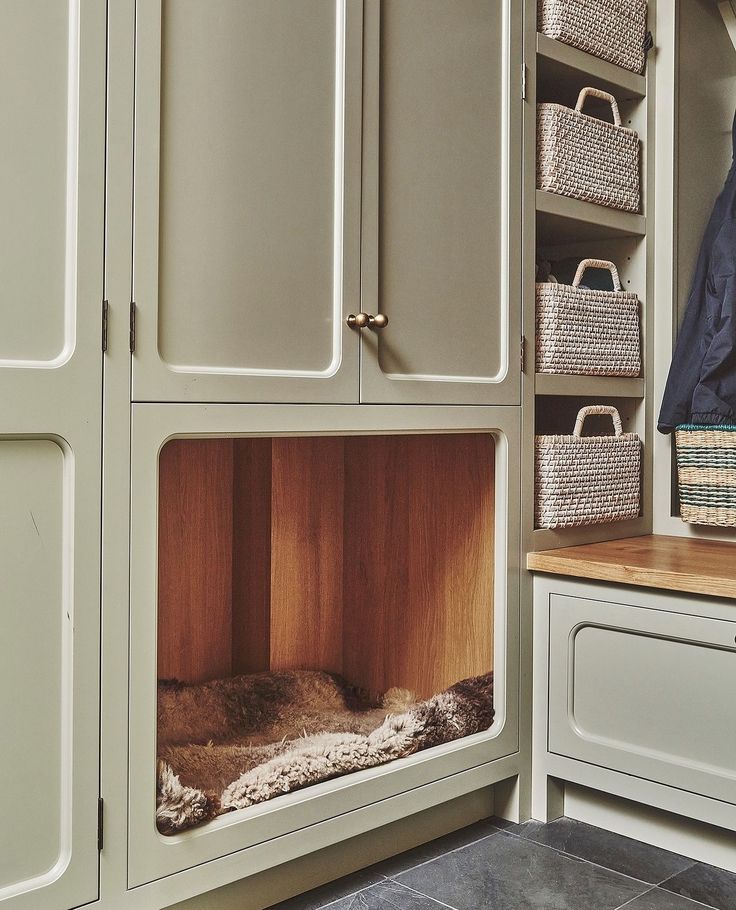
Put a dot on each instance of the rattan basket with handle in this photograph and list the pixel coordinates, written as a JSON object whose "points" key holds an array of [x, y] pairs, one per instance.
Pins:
{"points": [[587, 332], [706, 469], [587, 158], [585, 480], [614, 30]]}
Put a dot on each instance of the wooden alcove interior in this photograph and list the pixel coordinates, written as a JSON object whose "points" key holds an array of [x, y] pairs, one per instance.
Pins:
{"points": [[368, 556]]}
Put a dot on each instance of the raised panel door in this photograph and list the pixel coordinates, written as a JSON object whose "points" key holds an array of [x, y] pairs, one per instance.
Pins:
{"points": [[441, 201], [52, 94], [247, 200]]}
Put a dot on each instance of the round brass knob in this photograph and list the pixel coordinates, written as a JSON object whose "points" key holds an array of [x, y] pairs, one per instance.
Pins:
{"points": [[358, 322], [379, 321]]}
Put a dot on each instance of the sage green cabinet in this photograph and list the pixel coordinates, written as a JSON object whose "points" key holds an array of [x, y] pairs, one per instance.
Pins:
{"points": [[441, 201], [247, 199], [52, 78], [298, 161]]}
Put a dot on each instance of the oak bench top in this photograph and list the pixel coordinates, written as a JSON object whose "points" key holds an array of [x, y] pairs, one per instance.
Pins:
{"points": [[668, 563]]}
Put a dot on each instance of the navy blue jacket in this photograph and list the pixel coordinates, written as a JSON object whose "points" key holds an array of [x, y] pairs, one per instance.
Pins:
{"points": [[701, 387]]}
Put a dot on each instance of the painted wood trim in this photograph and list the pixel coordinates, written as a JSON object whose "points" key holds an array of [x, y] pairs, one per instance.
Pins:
{"points": [[607, 75], [669, 563]]}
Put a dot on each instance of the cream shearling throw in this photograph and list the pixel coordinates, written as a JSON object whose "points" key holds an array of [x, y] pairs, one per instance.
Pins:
{"points": [[232, 743]]}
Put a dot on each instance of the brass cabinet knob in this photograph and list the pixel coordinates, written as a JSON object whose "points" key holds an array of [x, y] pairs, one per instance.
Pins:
{"points": [[367, 319], [358, 322]]}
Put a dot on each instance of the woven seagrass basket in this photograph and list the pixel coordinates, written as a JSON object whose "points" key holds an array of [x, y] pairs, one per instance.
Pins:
{"points": [[706, 468], [587, 158], [614, 30], [586, 480], [586, 332]]}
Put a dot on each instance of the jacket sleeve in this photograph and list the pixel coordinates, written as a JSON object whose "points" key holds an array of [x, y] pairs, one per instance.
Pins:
{"points": [[694, 337], [714, 396]]}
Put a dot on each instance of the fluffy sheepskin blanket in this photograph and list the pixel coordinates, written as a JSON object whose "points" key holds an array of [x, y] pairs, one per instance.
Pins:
{"points": [[231, 743]]}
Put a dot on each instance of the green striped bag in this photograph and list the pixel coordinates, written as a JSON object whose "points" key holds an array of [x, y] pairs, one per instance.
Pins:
{"points": [[706, 468]]}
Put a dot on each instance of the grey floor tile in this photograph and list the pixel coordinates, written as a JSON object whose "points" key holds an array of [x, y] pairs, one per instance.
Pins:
{"points": [[503, 872], [657, 899], [621, 854], [327, 894], [502, 823], [387, 896], [404, 861], [712, 887]]}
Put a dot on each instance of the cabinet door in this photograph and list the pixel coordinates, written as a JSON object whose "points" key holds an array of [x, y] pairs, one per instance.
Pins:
{"points": [[645, 692], [247, 200], [52, 91], [441, 201]]}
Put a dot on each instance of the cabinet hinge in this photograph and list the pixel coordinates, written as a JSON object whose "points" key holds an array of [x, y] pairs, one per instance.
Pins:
{"points": [[100, 823], [132, 326], [522, 354], [524, 78], [105, 308]]}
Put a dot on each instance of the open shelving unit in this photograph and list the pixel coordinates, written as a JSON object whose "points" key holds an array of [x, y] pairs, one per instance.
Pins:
{"points": [[562, 228], [561, 219]]}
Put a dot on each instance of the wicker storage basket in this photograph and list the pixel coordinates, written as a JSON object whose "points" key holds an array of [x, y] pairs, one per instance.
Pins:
{"points": [[587, 158], [591, 333], [614, 30], [587, 480], [706, 467]]}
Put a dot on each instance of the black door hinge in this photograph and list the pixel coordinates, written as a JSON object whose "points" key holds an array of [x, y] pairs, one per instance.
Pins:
{"points": [[100, 822], [105, 308], [132, 327], [522, 354], [524, 80]]}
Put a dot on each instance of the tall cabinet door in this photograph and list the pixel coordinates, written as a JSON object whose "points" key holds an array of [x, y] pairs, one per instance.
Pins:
{"points": [[247, 200], [441, 201], [52, 96]]}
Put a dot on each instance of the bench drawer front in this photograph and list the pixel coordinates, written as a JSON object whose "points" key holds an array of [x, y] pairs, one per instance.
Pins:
{"points": [[646, 692]]}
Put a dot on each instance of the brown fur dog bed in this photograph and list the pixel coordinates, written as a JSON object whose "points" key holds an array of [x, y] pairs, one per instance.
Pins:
{"points": [[231, 743]]}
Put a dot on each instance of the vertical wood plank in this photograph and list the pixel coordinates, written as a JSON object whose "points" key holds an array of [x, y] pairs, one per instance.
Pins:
{"points": [[195, 559], [251, 555], [376, 572], [307, 553], [419, 564], [448, 623]]}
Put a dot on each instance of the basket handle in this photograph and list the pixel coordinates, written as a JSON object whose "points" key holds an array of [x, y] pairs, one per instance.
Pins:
{"points": [[604, 96], [598, 409], [597, 264]]}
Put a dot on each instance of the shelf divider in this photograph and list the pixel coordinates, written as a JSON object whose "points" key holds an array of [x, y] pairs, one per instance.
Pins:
{"points": [[567, 67], [562, 220], [587, 386]]}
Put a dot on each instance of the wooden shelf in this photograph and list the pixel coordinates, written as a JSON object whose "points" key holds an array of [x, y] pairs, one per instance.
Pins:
{"points": [[585, 386], [563, 220], [570, 69], [695, 566]]}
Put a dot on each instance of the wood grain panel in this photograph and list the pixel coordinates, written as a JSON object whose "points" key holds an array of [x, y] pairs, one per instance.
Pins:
{"points": [[195, 559], [251, 555], [376, 575], [307, 553], [419, 565], [654, 561]]}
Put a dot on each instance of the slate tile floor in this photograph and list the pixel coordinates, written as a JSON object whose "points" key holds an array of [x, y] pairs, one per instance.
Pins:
{"points": [[493, 865]]}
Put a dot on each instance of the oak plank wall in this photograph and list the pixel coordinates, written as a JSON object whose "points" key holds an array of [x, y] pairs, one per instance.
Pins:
{"points": [[371, 556], [419, 560], [195, 559], [251, 544], [306, 553]]}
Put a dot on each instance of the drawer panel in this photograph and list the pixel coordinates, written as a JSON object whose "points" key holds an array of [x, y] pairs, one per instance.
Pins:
{"points": [[644, 691]]}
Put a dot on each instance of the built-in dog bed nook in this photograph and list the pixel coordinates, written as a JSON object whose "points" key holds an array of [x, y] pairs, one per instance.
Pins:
{"points": [[325, 605], [231, 743]]}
